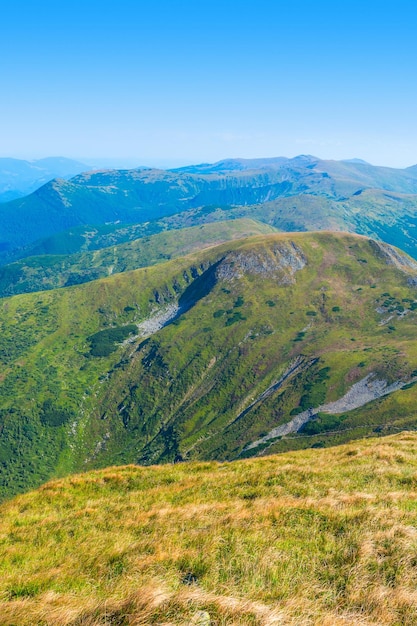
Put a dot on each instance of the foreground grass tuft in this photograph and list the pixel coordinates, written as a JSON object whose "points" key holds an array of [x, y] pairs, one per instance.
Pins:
{"points": [[311, 537]]}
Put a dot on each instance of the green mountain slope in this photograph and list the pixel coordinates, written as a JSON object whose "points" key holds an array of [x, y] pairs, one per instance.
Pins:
{"points": [[128, 196], [204, 356], [389, 217], [49, 272], [340, 192], [321, 537]]}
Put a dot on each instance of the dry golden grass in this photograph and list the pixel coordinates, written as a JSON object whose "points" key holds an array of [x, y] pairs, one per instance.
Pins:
{"points": [[319, 537]]}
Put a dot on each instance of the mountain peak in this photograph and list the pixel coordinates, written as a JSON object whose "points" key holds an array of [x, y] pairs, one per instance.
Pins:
{"points": [[355, 160]]}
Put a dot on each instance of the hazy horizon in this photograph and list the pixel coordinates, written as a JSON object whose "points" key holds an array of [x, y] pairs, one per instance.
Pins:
{"points": [[132, 162], [181, 83]]}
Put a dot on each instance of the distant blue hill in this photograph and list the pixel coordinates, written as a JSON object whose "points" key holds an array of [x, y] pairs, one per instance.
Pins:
{"points": [[297, 194], [240, 165], [360, 161], [19, 178]]}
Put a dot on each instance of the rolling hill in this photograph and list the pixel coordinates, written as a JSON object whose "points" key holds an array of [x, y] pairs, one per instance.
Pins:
{"points": [[54, 271], [19, 178], [260, 345], [351, 173], [313, 538], [301, 194]]}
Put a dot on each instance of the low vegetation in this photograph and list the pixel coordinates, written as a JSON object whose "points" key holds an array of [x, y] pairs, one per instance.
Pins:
{"points": [[105, 341], [89, 377], [318, 537], [51, 270]]}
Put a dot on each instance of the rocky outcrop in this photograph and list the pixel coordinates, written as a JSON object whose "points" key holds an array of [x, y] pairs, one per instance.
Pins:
{"points": [[157, 320], [393, 256], [281, 261], [362, 392]]}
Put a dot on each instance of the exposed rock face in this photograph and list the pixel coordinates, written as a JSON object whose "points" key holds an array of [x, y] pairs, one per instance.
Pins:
{"points": [[157, 320], [364, 391], [281, 261], [393, 256]]}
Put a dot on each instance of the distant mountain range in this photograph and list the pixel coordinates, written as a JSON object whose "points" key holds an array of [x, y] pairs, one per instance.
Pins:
{"points": [[19, 178], [304, 193], [36, 273], [155, 315]]}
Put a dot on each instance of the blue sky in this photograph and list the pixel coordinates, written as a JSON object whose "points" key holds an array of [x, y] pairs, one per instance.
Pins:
{"points": [[190, 81]]}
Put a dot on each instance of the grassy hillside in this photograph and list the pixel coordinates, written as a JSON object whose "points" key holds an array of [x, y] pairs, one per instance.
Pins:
{"points": [[389, 217], [52, 271], [317, 538], [130, 196], [256, 332], [334, 189]]}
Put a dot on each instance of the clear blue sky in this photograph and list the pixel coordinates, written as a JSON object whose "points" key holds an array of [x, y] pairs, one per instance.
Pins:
{"points": [[185, 81]]}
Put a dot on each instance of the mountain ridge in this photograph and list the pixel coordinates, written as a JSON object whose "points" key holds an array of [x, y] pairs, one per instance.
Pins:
{"points": [[157, 364], [19, 177], [39, 272], [342, 192]]}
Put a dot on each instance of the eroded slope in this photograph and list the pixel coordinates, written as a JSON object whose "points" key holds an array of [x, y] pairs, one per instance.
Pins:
{"points": [[191, 358]]}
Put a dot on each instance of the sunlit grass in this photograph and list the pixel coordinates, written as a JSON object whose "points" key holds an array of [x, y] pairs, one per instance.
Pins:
{"points": [[313, 537]]}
